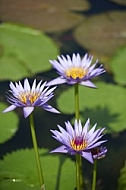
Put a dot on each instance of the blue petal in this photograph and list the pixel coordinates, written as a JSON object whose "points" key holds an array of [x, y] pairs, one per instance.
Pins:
{"points": [[27, 111], [49, 108], [88, 156], [88, 84], [61, 149], [10, 108], [56, 81]]}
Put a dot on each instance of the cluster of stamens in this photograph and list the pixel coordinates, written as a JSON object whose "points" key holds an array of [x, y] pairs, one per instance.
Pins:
{"points": [[78, 144], [76, 72], [28, 97]]}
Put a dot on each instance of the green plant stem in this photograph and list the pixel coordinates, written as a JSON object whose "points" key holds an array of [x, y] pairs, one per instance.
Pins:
{"points": [[79, 177], [94, 175], [39, 168], [77, 101], [79, 180]]}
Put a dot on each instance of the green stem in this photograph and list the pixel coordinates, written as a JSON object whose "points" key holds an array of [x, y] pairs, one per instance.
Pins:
{"points": [[79, 177], [39, 168], [94, 175], [77, 101]]}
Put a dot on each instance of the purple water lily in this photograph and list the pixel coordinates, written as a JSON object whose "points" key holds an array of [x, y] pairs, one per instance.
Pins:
{"points": [[99, 152], [29, 97], [75, 70], [79, 140]]}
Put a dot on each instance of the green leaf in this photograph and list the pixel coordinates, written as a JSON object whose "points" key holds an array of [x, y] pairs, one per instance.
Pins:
{"points": [[18, 171], [24, 52], [104, 105], [119, 67], [122, 179], [8, 124], [107, 37], [48, 16]]}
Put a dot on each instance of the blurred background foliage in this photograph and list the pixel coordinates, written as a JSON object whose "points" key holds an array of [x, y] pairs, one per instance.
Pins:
{"points": [[31, 34]]}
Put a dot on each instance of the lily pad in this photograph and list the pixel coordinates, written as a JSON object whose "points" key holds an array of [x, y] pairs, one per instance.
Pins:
{"points": [[18, 171], [42, 14], [24, 52], [8, 124], [122, 179], [104, 105], [120, 2], [119, 67], [102, 34]]}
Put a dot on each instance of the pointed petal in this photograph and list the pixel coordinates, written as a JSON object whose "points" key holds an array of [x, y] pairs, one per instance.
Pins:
{"points": [[49, 108], [56, 81], [88, 84], [50, 90], [10, 108], [13, 88], [27, 111], [88, 156], [61, 149], [33, 86], [39, 84], [26, 85], [69, 129], [86, 127], [93, 145]]}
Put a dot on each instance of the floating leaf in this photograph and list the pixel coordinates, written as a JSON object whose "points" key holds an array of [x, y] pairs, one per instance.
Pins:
{"points": [[120, 2], [18, 171], [102, 34], [119, 67], [24, 52], [104, 105], [45, 15], [122, 179], [8, 124]]}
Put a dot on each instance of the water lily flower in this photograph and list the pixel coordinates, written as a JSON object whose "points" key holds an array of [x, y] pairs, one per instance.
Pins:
{"points": [[79, 140], [99, 152], [30, 97], [75, 70]]}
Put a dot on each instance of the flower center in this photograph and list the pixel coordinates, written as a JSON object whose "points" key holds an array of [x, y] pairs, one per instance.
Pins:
{"points": [[28, 98], [78, 143], [76, 72]]}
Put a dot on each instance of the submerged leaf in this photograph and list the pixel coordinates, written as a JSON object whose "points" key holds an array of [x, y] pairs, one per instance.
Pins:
{"points": [[18, 171], [118, 65], [102, 34], [8, 124], [24, 52], [42, 14], [104, 105], [120, 2]]}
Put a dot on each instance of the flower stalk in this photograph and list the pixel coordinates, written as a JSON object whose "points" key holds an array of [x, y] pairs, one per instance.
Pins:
{"points": [[76, 101], [79, 177], [94, 175], [39, 168]]}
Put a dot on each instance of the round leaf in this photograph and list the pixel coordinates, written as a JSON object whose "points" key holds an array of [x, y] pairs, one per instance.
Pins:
{"points": [[102, 34], [119, 67], [24, 52], [48, 16], [104, 105], [18, 171], [120, 2], [8, 124]]}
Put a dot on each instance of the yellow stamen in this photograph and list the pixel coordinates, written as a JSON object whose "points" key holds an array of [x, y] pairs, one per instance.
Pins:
{"points": [[78, 144], [28, 96], [76, 72]]}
